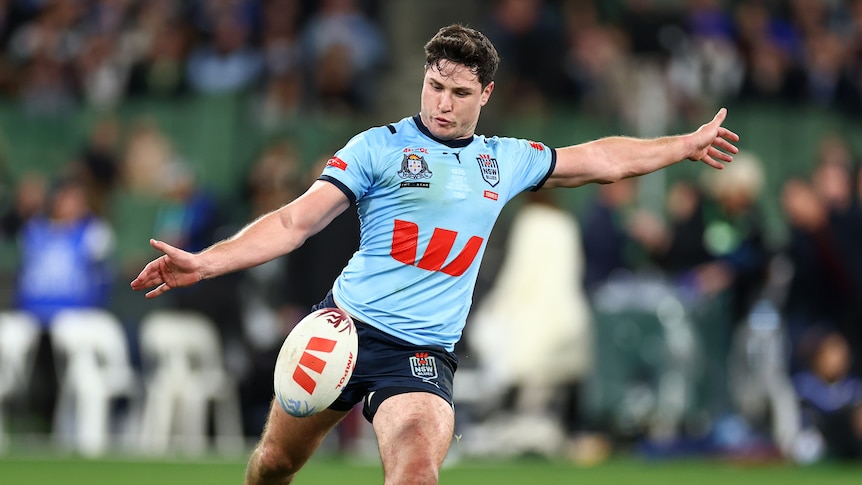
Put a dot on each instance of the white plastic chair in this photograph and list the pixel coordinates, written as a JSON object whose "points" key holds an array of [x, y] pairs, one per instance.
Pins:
{"points": [[94, 369], [185, 373], [19, 336]]}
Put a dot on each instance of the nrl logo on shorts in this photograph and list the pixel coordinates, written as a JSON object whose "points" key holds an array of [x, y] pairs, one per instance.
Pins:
{"points": [[423, 366], [489, 168], [414, 167]]}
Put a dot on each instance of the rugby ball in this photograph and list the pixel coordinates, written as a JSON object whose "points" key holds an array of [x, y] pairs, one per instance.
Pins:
{"points": [[315, 362]]}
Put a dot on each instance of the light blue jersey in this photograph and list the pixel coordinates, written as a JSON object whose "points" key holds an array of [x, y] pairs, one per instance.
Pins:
{"points": [[426, 209]]}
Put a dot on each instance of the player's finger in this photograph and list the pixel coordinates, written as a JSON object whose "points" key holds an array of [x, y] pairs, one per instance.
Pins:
{"points": [[715, 153], [712, 163], [727, 134], [717, 120], [164, 247], [148, 277], [159, 290], [720, 116], [148, 281], [725, 145]]}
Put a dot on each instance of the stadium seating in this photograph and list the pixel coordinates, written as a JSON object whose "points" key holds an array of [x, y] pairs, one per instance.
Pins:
{"points": [[91, 349], [649, 359], [185, 374], [19, 335]]}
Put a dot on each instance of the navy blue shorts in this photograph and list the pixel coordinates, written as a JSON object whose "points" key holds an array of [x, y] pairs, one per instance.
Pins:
{"points": [[387, 366]]}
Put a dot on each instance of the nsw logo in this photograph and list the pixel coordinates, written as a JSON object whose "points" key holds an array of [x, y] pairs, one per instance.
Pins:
{"points": [[489, 168], [423, 366]]}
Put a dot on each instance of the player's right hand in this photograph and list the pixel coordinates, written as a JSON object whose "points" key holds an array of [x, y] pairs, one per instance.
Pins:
{"points": [[174, 269]]}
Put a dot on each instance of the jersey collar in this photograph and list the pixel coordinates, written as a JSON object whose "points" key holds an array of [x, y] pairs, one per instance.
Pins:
{"points": [[459, 143]]}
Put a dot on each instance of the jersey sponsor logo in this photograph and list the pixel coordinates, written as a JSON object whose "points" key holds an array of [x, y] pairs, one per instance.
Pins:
{"points": [[312, 362], [491, 195], [405, 243], [489, 168], [423, 366], [538, 146], [414, 167], [337, 163]]}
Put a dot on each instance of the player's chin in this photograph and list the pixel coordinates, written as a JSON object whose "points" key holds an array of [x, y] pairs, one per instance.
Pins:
{"points": [[445, 134]]}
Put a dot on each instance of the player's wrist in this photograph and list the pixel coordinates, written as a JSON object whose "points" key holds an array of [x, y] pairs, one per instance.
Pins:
{"points": [[688, 147]]}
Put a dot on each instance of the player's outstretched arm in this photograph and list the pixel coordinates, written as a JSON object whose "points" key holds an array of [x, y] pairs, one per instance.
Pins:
{"points": [[268, 237], [614, 158]]}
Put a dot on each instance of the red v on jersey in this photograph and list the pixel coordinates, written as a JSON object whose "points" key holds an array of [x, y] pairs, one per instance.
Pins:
{"points": [[405, 242]]}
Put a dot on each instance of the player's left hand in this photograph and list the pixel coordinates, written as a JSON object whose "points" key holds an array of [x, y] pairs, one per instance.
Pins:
{"points": [[713, 143]]}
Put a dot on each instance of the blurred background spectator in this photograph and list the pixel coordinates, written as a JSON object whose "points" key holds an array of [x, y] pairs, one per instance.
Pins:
{"points": [[98, 163], [26, 200], [66, 261], [225, 61], [67, 252], [530, 36], [609, 246], [343, 53], [536, 314], [831, 399]]}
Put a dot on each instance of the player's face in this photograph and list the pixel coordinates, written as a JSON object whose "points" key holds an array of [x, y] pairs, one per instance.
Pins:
{"points": [[452, 98]]}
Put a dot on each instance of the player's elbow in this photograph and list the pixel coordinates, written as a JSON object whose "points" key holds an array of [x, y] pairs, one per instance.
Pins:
{"points": [[601, 166], [295, 228], [617, 170]]}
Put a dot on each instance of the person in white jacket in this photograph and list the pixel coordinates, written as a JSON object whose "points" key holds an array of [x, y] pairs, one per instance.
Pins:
{"points": [[532, 332]]}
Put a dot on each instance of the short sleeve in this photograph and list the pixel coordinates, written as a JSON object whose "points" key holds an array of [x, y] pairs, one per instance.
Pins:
{"points": [[532, 162], [351, 168]]}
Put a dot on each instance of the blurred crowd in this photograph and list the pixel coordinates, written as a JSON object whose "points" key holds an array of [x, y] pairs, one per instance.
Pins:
{"points": [[328, 56], [784, 306], [702, 334], [600, 56], [65, 231], [61, 55], [790, 352]]}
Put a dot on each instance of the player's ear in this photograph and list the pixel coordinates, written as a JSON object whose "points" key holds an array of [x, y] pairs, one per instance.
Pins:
{"points": [[486, 93]]}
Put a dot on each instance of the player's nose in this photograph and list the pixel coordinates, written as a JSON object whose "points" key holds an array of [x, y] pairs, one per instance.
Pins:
{"points": [[445, 102]]}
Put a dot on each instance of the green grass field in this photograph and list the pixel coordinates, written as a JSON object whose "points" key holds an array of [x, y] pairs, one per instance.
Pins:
{"points": [[72, 471]]}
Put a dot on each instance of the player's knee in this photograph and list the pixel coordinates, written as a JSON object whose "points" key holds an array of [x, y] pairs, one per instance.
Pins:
{"points": [[271, 462], [414, 473], [413, 468]]}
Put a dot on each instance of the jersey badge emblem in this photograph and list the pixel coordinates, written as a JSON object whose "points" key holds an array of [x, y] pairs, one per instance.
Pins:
{"points": [[423, 366], [489, 168], [414, 167]]}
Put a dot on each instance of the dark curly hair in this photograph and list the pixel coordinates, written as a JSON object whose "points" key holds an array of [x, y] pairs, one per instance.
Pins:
{"points": [[463, 45]]}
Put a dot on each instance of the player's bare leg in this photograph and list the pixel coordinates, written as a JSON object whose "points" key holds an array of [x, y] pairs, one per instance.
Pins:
{"points": [[414, 431], [287, 443]]}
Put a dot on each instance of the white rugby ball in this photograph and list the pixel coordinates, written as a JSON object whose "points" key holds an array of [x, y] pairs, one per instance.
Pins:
{"points": [[315, 362]]}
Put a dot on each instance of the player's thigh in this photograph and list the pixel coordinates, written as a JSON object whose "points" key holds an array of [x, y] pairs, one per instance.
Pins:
{"points": [[414, 426], [292, 439]]}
